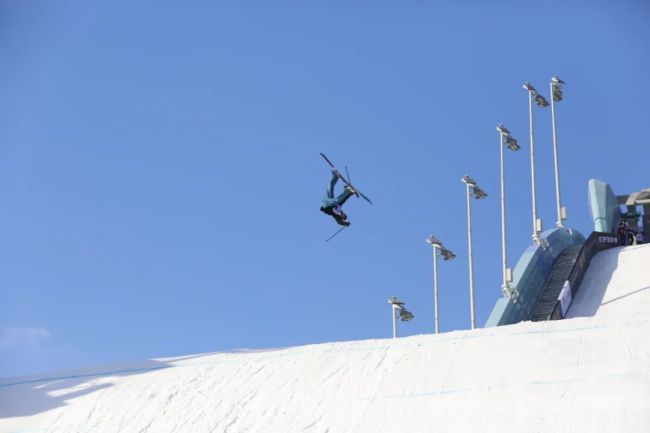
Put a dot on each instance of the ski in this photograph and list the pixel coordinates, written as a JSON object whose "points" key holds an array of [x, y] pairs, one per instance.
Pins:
{"points": [[344, 179]]}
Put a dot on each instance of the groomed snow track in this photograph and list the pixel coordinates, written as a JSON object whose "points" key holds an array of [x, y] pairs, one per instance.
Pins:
{"points": [[587, 373]]}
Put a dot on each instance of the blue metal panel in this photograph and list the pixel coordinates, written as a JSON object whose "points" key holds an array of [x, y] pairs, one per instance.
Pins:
{"points": [[603, 206], [530, 274], [497, 313]]}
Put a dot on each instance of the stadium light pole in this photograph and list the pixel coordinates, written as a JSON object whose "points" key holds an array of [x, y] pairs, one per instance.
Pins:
{"points": [[478, 194], [556, 96], [405, 315], [542, 102], [505, 139], [438, 249]]}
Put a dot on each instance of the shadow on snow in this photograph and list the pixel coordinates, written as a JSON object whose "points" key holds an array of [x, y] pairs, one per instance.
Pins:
{"points": [[32, 395]]}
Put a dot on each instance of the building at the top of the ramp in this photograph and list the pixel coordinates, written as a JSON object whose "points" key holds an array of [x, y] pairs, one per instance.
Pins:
{"points": [[548, 275], [530, 274]]}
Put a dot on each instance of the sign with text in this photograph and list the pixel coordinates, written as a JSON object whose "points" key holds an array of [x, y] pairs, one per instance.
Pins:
{"points": [[565, 297], [606, 239]]}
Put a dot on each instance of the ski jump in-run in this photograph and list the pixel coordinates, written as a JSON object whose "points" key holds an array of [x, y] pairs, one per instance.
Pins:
{"points": [[333, 206]]}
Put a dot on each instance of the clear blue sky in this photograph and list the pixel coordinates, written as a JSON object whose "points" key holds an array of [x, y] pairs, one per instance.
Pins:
{"points": [[160, 177]]}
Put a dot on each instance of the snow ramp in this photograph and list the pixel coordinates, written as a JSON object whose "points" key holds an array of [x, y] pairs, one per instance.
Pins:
{"points": [[587, 373]]}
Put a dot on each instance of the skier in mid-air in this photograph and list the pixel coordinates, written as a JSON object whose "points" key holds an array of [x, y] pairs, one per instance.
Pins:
{"points": [[333, 205]]}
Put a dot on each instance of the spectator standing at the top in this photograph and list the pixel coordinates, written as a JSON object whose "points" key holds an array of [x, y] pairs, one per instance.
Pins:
{"points": [[621, 233]]}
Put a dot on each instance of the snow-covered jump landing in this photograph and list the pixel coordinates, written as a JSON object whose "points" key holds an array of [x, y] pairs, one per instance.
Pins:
{"points": [[588, 373]]}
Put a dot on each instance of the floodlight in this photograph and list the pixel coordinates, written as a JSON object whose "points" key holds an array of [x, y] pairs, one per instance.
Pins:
{"points": [[530, 88], [478, 193], [405, 315], [512, 144], [556, 96], [541, 101], [556, 86], [502, 129], [433, 241], [446, 254], [437, 250], [468, 180]]}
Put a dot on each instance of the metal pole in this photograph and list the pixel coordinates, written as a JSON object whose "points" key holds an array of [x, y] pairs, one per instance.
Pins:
{"points": [[435, 289], [505, 287], [559, 223], [471, 261], [532, 168], [394, 309]]}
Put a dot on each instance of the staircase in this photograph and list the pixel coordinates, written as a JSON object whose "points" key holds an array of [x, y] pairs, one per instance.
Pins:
{"points": [[554, 283]]}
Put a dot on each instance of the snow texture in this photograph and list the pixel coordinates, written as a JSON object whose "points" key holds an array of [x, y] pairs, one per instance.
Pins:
{"points": [[589, 373]]}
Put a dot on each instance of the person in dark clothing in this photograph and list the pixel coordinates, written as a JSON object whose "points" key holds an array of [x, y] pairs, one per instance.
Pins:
{"points": [[621, 233], [332, 206], [631, 237]]}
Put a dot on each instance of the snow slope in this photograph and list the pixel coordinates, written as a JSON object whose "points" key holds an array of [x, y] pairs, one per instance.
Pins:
{"points": [[589, 373]]}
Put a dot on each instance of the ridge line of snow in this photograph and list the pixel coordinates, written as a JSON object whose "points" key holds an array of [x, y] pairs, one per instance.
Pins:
{"points": [[296, 351]]}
